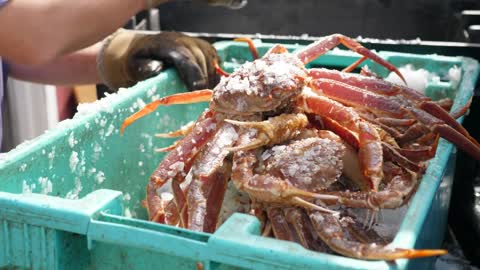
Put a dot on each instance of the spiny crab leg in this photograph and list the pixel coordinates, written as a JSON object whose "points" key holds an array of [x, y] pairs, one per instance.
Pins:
{"points": [[464, 142], [280, 227], [181, 98], [354, 96], [352, 84], [210, 174], [336, 236], [434, 109], [320, 47], [370, 154], [178, 162], [177, 133], [354, 65], [373, 84]]}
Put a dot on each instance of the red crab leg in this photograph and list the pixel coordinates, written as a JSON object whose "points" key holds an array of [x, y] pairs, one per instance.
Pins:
{"points": [[395, 194], [305, 233], [181, 98], [373, 84], [276, 49], [251, 45], [357, 83], [447, 103], [365, 71], [370, 154], [331, 231], [209, 182], [354, 65], [160, 210], [180, 200], [205, 198], [395, 121], [302, 231], [413, 132], [365, 236], [341, 131], [434, 109], [392, 154], [219, 70], [320, 47], [179, 161], [347, 117], [466, 143], [461, 111], [355, 96], [280, 227]]}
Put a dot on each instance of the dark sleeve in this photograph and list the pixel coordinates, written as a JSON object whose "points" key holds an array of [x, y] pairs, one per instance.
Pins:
{"points": [[3, 3]]}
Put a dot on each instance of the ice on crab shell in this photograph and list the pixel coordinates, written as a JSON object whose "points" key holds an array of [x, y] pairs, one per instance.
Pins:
{"points": [[312, 163]]}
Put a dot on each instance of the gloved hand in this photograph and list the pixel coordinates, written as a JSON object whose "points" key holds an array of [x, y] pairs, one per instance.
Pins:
{"points": [[131, 56]]}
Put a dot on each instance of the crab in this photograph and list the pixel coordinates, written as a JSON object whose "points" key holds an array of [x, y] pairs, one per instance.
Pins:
{"points": [[380, 136]]}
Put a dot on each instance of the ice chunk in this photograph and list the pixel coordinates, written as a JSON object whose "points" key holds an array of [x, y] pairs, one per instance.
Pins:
{"points": [[416, 78]]}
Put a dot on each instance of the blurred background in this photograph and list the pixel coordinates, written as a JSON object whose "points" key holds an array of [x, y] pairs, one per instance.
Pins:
{"points": [[439, 20]]}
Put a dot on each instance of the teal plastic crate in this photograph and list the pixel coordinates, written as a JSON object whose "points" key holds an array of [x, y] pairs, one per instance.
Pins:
{"points": [[71, 198]]}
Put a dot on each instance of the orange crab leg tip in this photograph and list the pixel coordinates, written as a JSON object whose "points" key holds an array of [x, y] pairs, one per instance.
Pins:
{"points": [[422, 253], [399, 74], [219, 70], [146, 110]]}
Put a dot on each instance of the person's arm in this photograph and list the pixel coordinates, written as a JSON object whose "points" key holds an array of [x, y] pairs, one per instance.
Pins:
{"points": [[126, 58], [76, 68], [35, 31]]}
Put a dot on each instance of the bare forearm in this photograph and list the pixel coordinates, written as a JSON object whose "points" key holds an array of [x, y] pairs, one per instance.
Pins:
{"points": [[72, 69], [34, 31]]}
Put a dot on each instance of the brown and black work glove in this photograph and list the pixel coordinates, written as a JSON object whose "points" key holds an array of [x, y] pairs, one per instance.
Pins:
{"points": [[131, 56]]}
